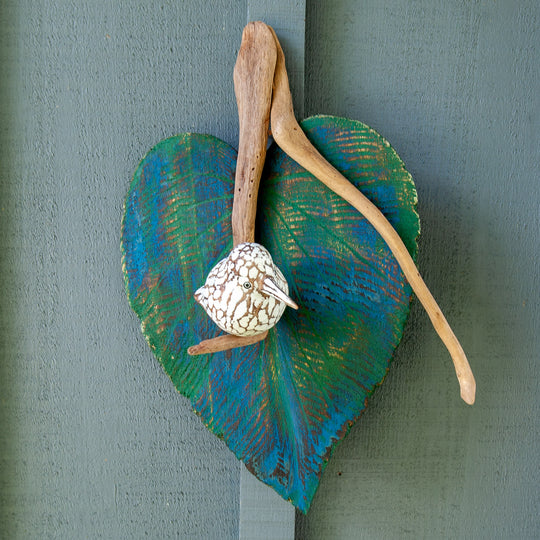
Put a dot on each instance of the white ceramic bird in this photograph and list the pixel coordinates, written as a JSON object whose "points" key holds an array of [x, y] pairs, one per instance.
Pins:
{"points": [[245, 294]]}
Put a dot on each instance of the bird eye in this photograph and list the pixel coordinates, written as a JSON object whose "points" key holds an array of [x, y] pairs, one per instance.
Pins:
{"points": [[247, 285]]}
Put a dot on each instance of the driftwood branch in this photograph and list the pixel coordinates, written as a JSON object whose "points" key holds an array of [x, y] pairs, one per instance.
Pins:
{"points": [[260, 68], [224, 343], [253, 76], [292, 140]]}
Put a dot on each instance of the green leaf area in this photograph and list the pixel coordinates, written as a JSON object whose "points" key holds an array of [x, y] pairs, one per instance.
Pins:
{"points": [[280, 405]]}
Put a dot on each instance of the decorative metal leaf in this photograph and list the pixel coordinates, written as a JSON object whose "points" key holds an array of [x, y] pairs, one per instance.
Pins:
{"points": [[281, 405]]}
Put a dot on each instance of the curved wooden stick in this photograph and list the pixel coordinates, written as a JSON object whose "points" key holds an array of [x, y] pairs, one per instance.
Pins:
{"points": [[292, 140], [253, 76], [224, 343], [254, 70]]}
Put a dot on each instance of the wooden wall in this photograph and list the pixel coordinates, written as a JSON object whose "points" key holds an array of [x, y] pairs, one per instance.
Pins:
{"points": [[94, 441]]}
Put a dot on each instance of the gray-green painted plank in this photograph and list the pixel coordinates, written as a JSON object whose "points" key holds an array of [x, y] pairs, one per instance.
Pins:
{"points": [[264, 515], [95, 441]]}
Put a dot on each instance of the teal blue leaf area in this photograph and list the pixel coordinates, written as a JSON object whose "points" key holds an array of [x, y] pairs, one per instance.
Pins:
{"points": [[283, 404]]}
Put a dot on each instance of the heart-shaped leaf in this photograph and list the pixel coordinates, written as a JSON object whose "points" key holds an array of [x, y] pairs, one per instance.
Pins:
{"points": [[281, 405]]}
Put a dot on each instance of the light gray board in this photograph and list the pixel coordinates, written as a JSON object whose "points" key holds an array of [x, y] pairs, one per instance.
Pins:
{"points": [[263, 514], [95, 442], [454, 86]]}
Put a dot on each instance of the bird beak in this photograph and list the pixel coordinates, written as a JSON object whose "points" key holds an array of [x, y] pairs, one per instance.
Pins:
{"points": [[270, 288]]}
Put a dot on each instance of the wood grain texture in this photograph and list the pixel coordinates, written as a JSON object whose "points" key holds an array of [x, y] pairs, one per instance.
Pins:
{"points": [[289, 137], [453, 86], [253, 76]]}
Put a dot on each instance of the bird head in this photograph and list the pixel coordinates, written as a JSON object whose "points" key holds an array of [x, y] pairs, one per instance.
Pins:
{"points": [[245, 293]]}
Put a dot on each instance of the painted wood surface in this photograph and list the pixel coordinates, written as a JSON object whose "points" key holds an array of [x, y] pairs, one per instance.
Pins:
{"points": [[84, 452], [95, 441]]}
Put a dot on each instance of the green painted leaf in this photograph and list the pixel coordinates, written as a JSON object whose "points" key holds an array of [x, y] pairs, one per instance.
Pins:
{"points": [[280, 405]]}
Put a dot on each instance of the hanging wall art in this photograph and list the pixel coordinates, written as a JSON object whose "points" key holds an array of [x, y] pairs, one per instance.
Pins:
{"points": [[273, 287]]}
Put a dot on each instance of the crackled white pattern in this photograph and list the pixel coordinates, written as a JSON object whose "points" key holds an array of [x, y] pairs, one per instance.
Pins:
{"points": [[232, 294]]}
